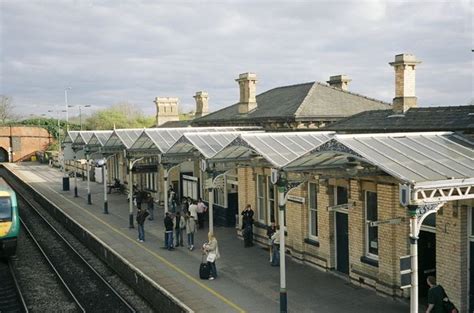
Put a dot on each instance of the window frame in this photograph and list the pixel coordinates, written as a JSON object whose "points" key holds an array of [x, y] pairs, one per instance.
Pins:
{"points": [[367, 227], [311, 210], [261, 198], [271, 202]]}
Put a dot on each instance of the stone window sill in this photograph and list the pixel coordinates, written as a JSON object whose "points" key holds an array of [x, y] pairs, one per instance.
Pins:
{"points": [[311, 242], [369, 261]]}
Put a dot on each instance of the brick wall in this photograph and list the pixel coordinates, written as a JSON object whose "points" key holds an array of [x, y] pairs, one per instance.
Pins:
{"points": [[27, 140]]}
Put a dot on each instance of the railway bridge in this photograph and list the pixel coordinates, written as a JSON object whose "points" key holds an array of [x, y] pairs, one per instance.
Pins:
{"points": [[18, 143]]}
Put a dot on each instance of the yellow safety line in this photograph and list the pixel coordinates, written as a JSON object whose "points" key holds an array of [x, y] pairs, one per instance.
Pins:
{"points": [[165, 261]]}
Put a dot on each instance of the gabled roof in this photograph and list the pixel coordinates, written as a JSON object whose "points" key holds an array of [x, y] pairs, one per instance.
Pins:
{"points": [[99, 138], [159, 140], [122, 139], [71, 136], [446, 118], [82, 138], [309, 101], [206, 143]]}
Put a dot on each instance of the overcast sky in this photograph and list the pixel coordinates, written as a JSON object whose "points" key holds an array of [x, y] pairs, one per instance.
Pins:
{"points": [[133, 51]]}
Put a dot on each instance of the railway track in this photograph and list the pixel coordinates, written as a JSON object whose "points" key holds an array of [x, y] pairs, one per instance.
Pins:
{"points": [[11, 297], [88, 289]]}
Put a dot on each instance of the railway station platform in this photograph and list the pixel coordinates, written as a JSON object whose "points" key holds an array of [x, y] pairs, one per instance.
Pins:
{"points": [[246, 282]]}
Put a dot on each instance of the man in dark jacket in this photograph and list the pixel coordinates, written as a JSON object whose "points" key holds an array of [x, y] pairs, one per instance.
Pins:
{"points": [[247, 226], [168, 231], [141, 217]]}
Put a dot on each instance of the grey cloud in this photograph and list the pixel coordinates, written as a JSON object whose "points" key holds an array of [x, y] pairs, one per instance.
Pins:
{"points": [[132, 51]]}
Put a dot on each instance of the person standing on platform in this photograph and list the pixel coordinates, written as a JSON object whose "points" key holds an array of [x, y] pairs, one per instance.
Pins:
{"points": [[179, 224], [201, 210], [211, 249], [141, 217], [276, 247], [190, 230], [184, 205], [247, 226], [139, 198], [151, 206], [168, 231], [193, 210], [270, 231]]}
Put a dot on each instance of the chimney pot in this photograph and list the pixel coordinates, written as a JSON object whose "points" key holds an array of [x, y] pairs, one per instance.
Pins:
{"points": [[166, 110], [339, 81], [247, 85], [404, 66], [202, 103]]}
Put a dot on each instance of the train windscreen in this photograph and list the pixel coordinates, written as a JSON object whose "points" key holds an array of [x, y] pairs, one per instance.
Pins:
{"points": [[5, 209]]}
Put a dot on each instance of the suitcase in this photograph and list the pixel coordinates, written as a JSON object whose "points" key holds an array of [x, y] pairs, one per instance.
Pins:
{"points": [[204, 270]]}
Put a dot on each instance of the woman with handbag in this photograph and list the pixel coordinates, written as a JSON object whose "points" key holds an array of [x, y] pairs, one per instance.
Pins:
{"points": [[212, 251]]}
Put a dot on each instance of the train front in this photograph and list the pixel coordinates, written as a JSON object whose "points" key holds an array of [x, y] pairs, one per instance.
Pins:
{"points": [[9, 223]]}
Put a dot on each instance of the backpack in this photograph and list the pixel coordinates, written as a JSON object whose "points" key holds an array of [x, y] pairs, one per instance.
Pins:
{"points": [[448, 306]]}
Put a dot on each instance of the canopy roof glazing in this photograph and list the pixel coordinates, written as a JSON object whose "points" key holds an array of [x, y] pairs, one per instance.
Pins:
{"points": [[411, 157], [276, 148]]}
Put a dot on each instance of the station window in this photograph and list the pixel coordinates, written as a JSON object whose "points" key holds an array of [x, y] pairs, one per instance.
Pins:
{"points": [[261, 198], [313, 211], [219, 197], [371, 215]]}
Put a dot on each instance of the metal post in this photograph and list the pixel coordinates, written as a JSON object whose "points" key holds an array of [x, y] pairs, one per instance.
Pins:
{"points": [[130, 194], [80, 117], [414, 263], [67, 111], [89, 199], [211, 210], [165, 189], [282, 207], [104, 177], [75, 176]]}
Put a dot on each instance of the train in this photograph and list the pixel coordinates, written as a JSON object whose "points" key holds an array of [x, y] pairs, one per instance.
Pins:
{"points": [[9, 220]]}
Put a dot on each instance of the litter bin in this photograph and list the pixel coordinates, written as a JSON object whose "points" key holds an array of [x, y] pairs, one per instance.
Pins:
{"points": [[65, 183]]}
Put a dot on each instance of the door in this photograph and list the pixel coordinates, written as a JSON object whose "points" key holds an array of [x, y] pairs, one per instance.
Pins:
{"points": [[342, 243], [232, 208], [426, 261]]}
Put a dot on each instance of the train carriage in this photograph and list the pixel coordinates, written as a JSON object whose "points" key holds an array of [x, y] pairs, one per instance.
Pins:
{"points": [[9, 220]]}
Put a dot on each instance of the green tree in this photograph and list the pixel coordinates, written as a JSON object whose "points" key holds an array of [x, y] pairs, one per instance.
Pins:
{"points": [[122, 115]]}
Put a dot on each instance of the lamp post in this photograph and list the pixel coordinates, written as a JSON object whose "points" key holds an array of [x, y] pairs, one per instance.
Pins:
{"points": [[105, 174], [67, 113], [281, 183], [89, 200], [75, 173], [130, 180], [80, 112]]}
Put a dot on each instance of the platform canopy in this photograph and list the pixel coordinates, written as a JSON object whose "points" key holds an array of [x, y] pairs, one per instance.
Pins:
{"points": [[99, 138], [205, 144], [436, 166], [70, 137], [155, 141], [277, 149], [82, 139], [121, 139]]}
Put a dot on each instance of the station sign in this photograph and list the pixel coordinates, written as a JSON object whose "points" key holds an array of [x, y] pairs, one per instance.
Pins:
{"points": [[405, 271]]}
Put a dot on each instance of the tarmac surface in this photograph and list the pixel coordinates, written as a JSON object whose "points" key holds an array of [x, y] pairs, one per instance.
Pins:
{"points": [[246, 282]]}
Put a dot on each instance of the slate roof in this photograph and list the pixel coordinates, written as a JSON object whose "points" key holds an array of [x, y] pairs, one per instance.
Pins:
{"points": [[308, 101], [446, 118], [172, 124]]}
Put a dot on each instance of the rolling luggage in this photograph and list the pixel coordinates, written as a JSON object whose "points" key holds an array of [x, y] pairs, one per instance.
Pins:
{"points": [[204, 270]]}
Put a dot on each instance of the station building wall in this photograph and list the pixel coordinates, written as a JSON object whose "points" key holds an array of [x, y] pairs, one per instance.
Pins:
{"points": [[380, 272]]}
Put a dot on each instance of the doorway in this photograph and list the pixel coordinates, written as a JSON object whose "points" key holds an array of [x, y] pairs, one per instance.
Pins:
{"points": [[3, 155], [342, 231], [426, 261]]}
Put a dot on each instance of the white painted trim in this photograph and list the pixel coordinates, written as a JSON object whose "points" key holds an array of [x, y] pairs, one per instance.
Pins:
{"points": [[367, 225], [310, 236]]}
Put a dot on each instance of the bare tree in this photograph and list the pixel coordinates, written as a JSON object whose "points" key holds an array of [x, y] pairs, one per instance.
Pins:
{"points": [[6, 108]]}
